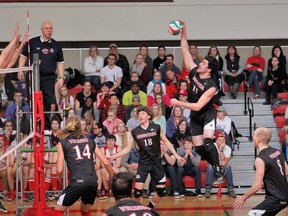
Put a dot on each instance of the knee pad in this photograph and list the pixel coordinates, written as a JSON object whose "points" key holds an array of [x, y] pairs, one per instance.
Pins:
{"points": [[161, 192], [200, 150], [137, 193], [209, 144]]}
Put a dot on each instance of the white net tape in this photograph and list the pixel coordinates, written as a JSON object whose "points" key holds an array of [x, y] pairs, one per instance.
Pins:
{"points": [[13, 70]]}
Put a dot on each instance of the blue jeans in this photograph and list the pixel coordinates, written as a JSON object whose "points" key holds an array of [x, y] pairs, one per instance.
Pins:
{"points": [[210, 177], [254, 78], [193, 172], [170, 171]]}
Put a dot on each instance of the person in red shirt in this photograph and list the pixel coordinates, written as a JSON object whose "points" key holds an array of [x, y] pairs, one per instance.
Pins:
{"points": [[255, 68]]}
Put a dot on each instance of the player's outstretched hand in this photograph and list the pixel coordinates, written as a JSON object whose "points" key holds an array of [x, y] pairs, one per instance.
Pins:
{"points": [[174, 102], [239, 202]]}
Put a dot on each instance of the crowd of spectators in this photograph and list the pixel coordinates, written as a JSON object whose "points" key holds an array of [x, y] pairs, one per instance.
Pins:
{"points": [[112, 91]]}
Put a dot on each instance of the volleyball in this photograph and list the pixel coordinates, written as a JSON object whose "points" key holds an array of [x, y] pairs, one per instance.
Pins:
{"points": [[174, 27]]}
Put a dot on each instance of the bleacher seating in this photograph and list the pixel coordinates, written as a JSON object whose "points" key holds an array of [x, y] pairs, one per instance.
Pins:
{"points": [[280, 121], [279, 111], [281, 134]]}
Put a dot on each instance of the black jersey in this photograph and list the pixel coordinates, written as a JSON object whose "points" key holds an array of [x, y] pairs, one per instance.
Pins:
{"points": [[78, 154], [50, 53], [130, 207], [197, 88], [275, 181], [148, 142]]}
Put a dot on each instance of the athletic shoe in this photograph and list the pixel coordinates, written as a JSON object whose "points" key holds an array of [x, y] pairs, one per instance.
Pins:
{"points": [[99, 195], [232, 193], [256, 96], [198, 192], [182, 195], [151, 194], [207, 193], [218, 181], [12, 196], [266, 103], [106, 195], [2, 207], [176, 195], [144, 194]]}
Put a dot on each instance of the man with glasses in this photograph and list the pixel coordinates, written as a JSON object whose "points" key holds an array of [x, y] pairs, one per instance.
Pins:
{"points": [[11, 108], [112, 73]]}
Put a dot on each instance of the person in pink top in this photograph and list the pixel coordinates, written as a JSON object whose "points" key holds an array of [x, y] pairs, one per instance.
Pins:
{"points": [[111, 123], [255, 68], [157, 89]]}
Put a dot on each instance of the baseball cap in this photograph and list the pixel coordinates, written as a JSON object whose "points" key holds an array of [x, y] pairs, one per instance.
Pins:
{"points": [[220, 134], [221, 109], [183, 92], [113, 45], [104, 84]]}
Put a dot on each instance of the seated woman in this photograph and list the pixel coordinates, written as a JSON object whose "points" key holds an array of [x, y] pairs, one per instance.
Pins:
{"points": [[89, 107], [158, 117], [111, 123], [276, 80], [142, 69], [157, 77], [173, 121], [233, 68], [157, 89], [180, 134]]}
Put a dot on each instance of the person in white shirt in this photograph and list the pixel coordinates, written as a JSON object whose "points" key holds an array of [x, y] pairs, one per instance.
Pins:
{"points": [[112, 73], [92, 66]]}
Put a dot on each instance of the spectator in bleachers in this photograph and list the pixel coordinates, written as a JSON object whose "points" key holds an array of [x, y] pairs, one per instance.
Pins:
{"points": [[157, 89], [92, 66], [224, 158], [160, 59], [277, 52], [113, 103], [158, 118], [183, 85], [133, 122], [65, 100], [168, 163], [255, 67], [99, 131], [102, 98], [166, 110], [122, 135], [90, 121], [157, 77], [17, 100], [233, 68], [3, 167], [169, 65], [71, 112], [9, 133], [147, 59], [89, 107], [113, 74], [85, 130], [24, 123], [120, 60], [190, 168], [183, 97], [134, 76], [173, 121], [193, 49], [111, 122], [22, 85], [217, 76], [135, 90], [108, 150], [276, 80], [129, 113], [172, 83], [141, 68], [223, 122], [81, 96], [180, 134]]}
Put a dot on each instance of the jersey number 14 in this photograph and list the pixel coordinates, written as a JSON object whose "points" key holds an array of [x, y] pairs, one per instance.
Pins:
{"points": [[85, 153]]}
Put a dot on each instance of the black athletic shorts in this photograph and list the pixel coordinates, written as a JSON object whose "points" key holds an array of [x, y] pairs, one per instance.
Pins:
{"points": [[156, 171], [199, 121], [72, 193], [268, 208]]}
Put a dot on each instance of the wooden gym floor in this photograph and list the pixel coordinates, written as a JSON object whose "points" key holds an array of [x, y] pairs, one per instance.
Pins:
{"points": [[169, 206]]}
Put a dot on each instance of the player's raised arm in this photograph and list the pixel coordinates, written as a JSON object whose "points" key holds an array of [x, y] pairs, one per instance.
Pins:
{"points": [[105, 162], [203, 100], [260, 171], [170, 147], [187, 58], [124, 151]]}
